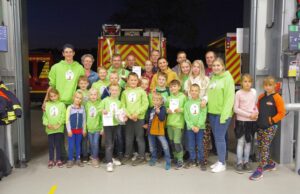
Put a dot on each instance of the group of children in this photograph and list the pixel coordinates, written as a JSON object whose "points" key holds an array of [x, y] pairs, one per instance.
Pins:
{"points": [[167, 113]]}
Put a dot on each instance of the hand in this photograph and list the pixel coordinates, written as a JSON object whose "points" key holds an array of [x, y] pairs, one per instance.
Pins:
{"points": [[104, 112], [145, 126], [134, 117], [177, 110], [203, 104], [169, 111], [70, 134], [84, 133], [102, 132], [50, 127], [44, 106], [157, 110], [254, 116]]}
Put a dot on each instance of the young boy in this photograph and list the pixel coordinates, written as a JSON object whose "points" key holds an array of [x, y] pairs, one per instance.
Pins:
{"points": [[102, 83], [195, 118], [76, 127], [135, 102], [175, 121], [160, 88], [156, 117], [271, 112], [93, 124], [113, 79], [111, 105]]}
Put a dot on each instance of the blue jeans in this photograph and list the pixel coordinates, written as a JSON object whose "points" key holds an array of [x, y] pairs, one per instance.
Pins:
{"points": [[75, 140], [94, 143], [153, 148], [195, 140], [219, 131]]}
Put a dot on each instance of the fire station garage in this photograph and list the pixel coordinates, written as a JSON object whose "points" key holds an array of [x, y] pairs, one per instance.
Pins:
{"points": [[266, 44]]}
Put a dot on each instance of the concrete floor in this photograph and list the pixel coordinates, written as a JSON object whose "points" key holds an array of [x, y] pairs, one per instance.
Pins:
{"points": [[37, 179]]}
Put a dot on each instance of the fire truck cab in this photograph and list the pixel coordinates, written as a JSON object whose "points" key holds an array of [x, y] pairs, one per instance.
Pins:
{"points": [[136, 42]]}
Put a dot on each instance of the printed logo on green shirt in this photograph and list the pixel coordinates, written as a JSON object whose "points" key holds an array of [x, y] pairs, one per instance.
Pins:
{"points": [[212, 85], [93, 112], [194, 109], [131, 97], [69, 75], [113, 107], [53, 111]]}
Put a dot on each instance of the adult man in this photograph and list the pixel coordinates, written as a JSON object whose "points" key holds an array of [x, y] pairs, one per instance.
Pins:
{"points": [[181, 56], [130, 62], [154, 56], [210, 56], [87, 61], [117, 67]]}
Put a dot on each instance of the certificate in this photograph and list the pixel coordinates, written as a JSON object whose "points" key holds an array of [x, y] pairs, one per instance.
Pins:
{"points": [[108, 119], [174, 104], [137, 70]]}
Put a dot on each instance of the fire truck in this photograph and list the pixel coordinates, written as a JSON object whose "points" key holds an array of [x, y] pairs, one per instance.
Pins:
{"points": [[39, 67], [225, 47], [136, 42]]}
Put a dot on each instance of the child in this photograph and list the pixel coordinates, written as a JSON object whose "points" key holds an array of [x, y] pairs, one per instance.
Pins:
{"points": [[75, 122], [111, 105], [195, 118], [113, 79], [135, 103], [83, 84], [156, 117], [271, 111], [184, 72], [148, 73], [160, 88], [246, 115], [145, 84], [93, 124], [53, 119], [102, 83], [175, 121]]}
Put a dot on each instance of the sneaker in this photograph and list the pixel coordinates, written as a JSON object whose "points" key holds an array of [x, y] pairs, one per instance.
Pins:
{"points": [[179, 165], [147, 156], [239, 168], [214, 165], [135, 156], [219, 168], [116, 162], [247, 167], [95, 163], [203, 166], [152, 162], [79, 163], [110, 167], [258, 174], [85, 159], [70, 164], [168, 166], [189, 164], [51, 164], [125, 159], [60, 164], [269, 167], [138, 160]]}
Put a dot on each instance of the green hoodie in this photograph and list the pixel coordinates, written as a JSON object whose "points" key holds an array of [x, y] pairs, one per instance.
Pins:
{"points": [[135, 101], [93, 116], [194, 115], [221, 91], [176, 120], [55, 113], [165, 93], [111, 104], [64, 77], [100, 86], [121, 72]]}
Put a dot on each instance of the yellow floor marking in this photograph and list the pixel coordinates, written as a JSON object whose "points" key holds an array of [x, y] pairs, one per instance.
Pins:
{"points": [[53, 189]]}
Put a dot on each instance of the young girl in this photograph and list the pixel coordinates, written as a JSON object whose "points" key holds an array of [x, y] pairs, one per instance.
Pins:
{"points": [[195, 118], [135, 103], [246, 115], [102, 83], [75, 123], [156, 117], [111, 105], [145, 84], [184, 72], [93, 124], [271, 111], [53, 119]]}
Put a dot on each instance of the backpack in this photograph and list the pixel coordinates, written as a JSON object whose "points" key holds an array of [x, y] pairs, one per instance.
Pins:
{"points": [[5, 167]]}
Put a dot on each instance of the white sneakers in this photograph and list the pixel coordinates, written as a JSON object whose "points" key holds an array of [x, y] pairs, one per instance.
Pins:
{"points": [[110, 167], [218, 167], [116, 162]]}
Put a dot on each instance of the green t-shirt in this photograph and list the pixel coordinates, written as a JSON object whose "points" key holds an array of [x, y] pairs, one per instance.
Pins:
{"points": [[93, 116], [55, 113], [64, 77]]}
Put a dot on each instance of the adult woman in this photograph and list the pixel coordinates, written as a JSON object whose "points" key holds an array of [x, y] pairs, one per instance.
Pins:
{"points": [[87, 61], [163, 67], [220, 109]]}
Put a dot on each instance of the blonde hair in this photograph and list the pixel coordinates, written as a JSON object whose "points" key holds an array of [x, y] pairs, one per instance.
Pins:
{"points": [[78, 92], [157, 95], [83, 78], [270, 80], [221, 61], [101, 68], [93, 90], [201, 66], [180, 74]]}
